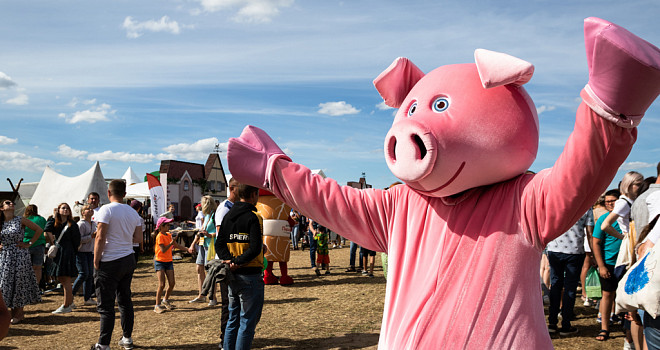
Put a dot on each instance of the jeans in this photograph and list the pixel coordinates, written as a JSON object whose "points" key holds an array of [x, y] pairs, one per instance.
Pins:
{"points": [[294, 236], [246, 300], [312, 248], [652, 331], [113, 279], [352, 252], [564, 274], [85, 265]]}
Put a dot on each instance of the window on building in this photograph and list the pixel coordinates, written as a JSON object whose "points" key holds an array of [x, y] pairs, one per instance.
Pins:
{"points": [[186, 185]]}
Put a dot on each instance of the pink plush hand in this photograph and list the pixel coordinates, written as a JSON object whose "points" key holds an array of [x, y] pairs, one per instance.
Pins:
{"points": [[624, 72], [251, 156]]}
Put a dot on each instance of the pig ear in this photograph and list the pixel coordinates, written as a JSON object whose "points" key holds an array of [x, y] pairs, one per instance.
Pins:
{"points": [[497, 69], [397, 80]]}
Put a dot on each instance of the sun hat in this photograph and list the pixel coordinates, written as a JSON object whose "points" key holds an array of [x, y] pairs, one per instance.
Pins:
{"points": [[162, 220]]}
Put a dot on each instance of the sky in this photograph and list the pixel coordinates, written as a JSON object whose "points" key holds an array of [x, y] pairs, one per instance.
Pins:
{"points": [[128, 83]]}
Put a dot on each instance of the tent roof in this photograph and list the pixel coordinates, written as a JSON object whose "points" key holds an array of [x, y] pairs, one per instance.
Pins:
{"points": [[130, 177], [55, 188]]}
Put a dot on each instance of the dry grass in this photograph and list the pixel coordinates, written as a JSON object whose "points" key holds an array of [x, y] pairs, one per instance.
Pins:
{"points": [[340, 311]]}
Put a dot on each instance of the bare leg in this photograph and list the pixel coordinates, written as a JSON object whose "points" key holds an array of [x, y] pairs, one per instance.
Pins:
{"points": [[161, 285], [67, 287], [201, 276], [171, 282]]}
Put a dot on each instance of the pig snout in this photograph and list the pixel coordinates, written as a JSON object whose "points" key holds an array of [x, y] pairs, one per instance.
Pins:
{"points": [[410, 151]]}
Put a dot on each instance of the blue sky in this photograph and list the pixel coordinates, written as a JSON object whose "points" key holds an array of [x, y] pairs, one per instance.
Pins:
{"points": [[128, 83]]}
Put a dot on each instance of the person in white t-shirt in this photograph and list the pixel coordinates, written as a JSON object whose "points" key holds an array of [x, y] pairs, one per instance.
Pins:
{"points": [[118, 226], [223, 209]]}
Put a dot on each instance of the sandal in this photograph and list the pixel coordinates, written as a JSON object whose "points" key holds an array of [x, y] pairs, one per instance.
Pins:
{"points": [[603, 335]]}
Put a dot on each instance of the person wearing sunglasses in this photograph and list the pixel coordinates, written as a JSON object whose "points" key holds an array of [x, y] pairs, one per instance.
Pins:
{"points": [[17, 280]]}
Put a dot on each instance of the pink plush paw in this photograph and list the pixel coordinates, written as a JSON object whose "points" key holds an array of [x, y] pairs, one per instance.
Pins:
{"points": [[624, 72], [250, 157]]}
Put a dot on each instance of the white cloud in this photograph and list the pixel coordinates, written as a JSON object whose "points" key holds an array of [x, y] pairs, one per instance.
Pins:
{"points": [[337, 108], [135, 29], [383, 107], [6, 82], [121, 157], [75, 101], [545, 108], [92, 115], [627, 166], [250, 11], [19, 100], [199, 150], [22, 162], [68, 152], [4, 140]]}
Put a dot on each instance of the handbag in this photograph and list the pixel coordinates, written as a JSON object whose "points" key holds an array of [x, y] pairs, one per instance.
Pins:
{"points": [[592, 284], [640, 286], [625, 258], [55, 248]]}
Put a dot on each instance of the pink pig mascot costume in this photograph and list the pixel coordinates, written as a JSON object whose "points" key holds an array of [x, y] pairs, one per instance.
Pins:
{"points": [[465, 235]]}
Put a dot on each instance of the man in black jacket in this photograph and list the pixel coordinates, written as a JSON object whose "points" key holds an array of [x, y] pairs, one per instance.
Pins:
{"points": [[240, 244]]}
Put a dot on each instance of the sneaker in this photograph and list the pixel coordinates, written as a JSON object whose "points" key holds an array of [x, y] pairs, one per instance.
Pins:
{"points": [[98, 346], [159, 309], [198, 300], [63, 310], [365, 273], [213, 302], [90, 301], [327, 272], [552, 328], [167, 304], [568, 331], [546, 300], [371, 275], [318, 273], [127, 343], [587, 303]]}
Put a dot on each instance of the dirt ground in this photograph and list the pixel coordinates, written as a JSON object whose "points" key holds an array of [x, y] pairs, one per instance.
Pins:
{"points": [[339, 311]]}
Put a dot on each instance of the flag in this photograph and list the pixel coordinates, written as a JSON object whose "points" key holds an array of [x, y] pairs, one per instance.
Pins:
{"points": [[157, 197]]}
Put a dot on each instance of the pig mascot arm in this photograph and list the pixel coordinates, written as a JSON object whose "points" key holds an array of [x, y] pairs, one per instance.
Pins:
{"points": [[624, 79], [256, 160]]}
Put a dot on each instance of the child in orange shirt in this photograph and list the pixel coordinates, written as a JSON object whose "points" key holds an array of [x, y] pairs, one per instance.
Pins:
{"points": [[163, 263]]}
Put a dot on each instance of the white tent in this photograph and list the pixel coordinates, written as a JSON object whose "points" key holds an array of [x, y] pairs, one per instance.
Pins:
{"points": [[137, 190], [130, 177], [55, 188]]}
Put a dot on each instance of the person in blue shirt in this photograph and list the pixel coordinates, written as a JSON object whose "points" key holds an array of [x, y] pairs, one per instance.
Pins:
{"points": [[605, 249]]}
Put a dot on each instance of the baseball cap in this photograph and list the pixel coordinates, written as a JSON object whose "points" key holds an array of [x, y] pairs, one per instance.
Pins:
{"points": [[162, 220]]}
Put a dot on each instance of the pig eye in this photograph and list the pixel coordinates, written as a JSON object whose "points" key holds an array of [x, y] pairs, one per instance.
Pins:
{"points": [[412, 109], [440, 104]]}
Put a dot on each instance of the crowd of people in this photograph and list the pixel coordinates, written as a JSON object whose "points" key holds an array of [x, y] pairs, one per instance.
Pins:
{"points": [[622, 221], [98, 252]]}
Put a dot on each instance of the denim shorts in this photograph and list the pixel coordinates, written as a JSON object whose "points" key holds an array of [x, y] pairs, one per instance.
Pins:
{"points": [[201, 254], [161, 265], [37, 254]]}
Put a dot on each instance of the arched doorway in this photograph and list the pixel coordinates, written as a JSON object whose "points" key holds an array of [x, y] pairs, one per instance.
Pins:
{"points": [[186, 208]]}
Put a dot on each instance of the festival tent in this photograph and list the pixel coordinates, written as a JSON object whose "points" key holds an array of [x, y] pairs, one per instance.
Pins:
{"points": [[55, 188], [137, 190], [130, 177]]}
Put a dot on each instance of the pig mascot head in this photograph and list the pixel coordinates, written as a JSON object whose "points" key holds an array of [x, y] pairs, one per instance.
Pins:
{"points": [[459, 126]]}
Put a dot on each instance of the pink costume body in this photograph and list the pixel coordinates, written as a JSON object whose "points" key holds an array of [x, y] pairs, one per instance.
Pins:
{"points": [[463, 270], [465, 233]]}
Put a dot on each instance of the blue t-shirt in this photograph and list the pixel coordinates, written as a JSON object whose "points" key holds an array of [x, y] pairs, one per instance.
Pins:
{"points": [[610, 247], [209, 226]]}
